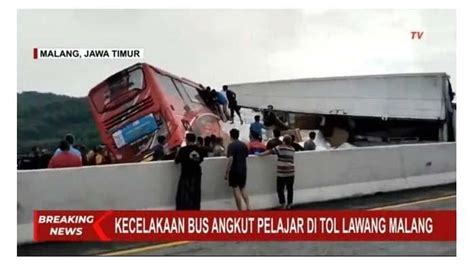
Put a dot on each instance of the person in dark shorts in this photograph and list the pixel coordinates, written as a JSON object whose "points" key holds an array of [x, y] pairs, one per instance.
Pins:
{"points": [[285, 171], [190, 157], [236, 172], [233, 106]]}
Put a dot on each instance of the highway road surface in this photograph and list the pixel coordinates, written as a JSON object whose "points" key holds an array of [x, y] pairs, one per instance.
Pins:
{"points": [[433, 198]]}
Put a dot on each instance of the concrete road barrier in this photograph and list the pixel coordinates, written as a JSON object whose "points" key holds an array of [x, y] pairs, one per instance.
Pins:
{"points": [[322, 175]]}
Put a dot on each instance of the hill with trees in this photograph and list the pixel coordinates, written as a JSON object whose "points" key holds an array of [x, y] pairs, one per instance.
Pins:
{"points": [[44, 119]]}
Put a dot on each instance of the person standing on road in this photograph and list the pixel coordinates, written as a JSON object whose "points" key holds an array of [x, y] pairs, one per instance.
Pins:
{"points": [[221, 103], [64, 158], [190, 157], [285, 171], [159, 153], [256, 127], [275, 141], [255, 145], [310, 145], [218, 149], [271, 121], [70, 139], [295, 144], [236, 172], [233, 106]]}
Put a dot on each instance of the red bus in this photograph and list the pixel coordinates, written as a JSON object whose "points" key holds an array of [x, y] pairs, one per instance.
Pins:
{"points": [[136, 105]]}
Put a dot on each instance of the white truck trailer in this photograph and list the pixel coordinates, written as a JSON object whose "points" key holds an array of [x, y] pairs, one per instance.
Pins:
{"points": [[377, 108]]}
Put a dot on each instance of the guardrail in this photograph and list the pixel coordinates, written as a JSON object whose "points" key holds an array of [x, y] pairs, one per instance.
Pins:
{"points": [[322, 175]]}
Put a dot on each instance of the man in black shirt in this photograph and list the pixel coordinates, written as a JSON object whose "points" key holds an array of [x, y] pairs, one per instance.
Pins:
{"points": [[275, 141], [236, 172], [191, 156], [159, 153], [271, 121], [295, 144], [232, 99]]}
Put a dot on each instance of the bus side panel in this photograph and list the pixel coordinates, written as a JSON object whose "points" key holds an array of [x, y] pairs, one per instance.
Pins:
{"points": [[175, 128]]}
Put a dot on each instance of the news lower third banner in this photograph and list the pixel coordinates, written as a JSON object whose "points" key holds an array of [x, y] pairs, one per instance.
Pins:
{"points": [[245, 225]]}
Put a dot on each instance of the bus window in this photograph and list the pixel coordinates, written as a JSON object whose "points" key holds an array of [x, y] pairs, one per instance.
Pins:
{"points": [[193, 94], [182, 91], [118, 89], [169, 88], [119, 84]]}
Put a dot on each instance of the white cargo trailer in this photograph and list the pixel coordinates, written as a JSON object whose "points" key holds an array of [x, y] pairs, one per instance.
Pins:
{"points": [[423, 99]]}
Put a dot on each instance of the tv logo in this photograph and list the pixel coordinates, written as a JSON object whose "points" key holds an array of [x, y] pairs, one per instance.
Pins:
{"points": [[416, 35]]}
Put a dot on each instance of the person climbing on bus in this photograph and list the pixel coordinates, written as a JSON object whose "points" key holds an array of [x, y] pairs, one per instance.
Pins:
{"points": [[206, 96], [233, 106], [221, 103]]}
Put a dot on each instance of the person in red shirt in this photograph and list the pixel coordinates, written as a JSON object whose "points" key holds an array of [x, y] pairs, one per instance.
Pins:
{"points": [[64, 158], [255, 145]]}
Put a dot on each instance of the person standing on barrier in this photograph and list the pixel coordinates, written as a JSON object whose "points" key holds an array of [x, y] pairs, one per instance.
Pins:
{"points": [[236, 172], [285, 170], [190, 157]]}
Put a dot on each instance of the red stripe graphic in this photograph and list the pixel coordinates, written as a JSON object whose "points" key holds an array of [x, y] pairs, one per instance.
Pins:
{"points": [[35, 53]]}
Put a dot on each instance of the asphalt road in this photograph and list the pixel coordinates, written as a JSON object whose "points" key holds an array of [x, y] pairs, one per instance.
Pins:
{"points": [[433, 198]]}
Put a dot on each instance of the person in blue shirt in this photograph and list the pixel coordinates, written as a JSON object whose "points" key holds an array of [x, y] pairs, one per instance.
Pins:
{"points": [[256, 127], [70, 139], [221, 102]]}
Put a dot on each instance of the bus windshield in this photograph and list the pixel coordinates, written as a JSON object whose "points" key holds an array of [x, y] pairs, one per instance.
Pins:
{"points": [[118, 89]]}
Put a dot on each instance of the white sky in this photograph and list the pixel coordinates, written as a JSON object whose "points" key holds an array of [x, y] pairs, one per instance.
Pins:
{"points": [[216, 47]]}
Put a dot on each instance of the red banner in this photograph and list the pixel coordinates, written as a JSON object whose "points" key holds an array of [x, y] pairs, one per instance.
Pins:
{"points": [[245, 226]]}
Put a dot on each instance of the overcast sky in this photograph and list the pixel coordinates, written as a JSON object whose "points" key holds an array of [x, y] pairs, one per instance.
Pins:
{"points": [[217, 47]]}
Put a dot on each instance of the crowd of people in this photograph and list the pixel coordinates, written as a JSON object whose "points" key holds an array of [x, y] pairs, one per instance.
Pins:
{"points": [[224, 103], [196, 148], [191, 156], [68, 154]]}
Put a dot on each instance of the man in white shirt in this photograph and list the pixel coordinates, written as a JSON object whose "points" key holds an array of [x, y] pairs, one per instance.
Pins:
{"points": [[70, 139]]}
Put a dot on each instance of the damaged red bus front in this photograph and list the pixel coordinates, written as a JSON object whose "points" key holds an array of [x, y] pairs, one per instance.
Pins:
{"points": [[136, 105]]}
